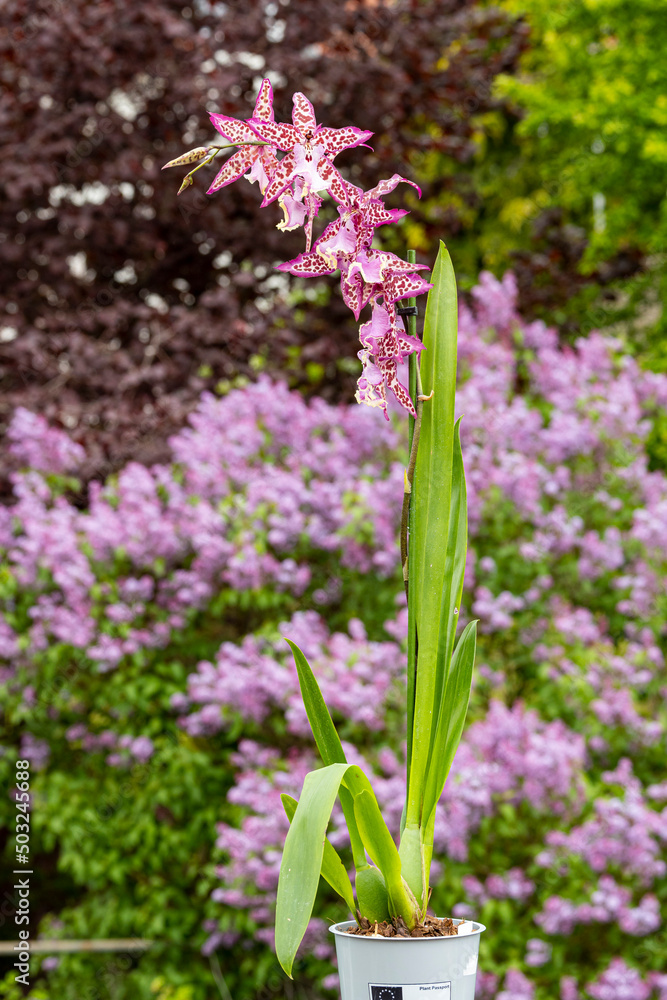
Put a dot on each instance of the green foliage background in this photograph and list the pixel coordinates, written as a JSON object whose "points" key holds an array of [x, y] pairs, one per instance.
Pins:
{"points": [[582, 141]]}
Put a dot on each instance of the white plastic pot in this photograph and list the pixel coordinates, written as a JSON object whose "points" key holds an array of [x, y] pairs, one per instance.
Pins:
{"points": [[379, 968]]}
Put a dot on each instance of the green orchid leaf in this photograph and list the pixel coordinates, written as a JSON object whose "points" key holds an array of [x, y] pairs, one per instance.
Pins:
{"points": [[321, 723], [412, 860], [303, 854], [380, 845], [455, 564], [429, 540], [444, 708], [333, 870], [375, 835], [452, 718], [328, 742], [302, 860], [372, 895]]}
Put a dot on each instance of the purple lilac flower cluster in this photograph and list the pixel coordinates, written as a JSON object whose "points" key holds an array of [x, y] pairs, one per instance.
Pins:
{"points": [[262, 482], [257, 677], [36, 445], [513, 757], [625, 832], [296, 181], [620, 980], [609, 903]]}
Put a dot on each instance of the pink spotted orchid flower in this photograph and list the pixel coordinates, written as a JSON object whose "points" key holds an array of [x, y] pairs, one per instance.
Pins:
{"points": [[346, 245], [259, 159], [381, 278], [297, 181], [309, 151], [307, 167], [353, 230], [369, 275], [385, 345]]}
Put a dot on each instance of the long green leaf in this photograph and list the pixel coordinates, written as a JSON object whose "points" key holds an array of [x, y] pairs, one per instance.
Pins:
{"points": [[412, 861], [375, 835], [328, 742], [333, 870], [431, 497], [321, 723], [452, 718], [455, 564], [304, 851], [302, 860], [452, 590]]}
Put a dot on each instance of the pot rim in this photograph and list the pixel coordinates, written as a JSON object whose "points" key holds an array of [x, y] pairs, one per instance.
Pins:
{"points": [[340, 929]]}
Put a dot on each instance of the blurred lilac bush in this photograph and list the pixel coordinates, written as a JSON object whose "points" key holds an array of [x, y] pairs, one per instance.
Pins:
{"points": [[260, 482], [554, 830]]}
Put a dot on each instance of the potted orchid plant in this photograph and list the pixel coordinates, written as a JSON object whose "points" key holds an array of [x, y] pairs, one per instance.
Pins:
{"points": [[391, 883]]}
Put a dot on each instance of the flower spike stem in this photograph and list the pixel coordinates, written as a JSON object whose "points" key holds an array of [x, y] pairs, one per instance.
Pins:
{"points": [[407, 519], [419, 400], [415, 423]]}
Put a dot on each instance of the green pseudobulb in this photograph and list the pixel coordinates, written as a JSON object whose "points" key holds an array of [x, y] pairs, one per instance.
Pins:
{"points": [[372, 895]]}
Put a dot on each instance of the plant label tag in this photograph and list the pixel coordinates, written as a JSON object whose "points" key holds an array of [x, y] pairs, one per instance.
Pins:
{"points": [[427, 991]]}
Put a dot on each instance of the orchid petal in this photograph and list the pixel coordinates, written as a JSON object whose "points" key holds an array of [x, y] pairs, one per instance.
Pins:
{"points": [[232, 129], [295, 213], [369, 264], [307, 159], [388, 345], [314, 204], [375, 214], [280, 179], [388, 185], [338, 238], [388, 368], [263, 168], [336, 185], [303, 115], [354, 194], [370, 385], [393, 264], [237, 165], [310, 265], [408, 344], [400, 286], [328, 234], [367, 337], [264, 102], [397, 214], [278, 134], [338, 139], [355, 293], [373, 373], [373, 332]]}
